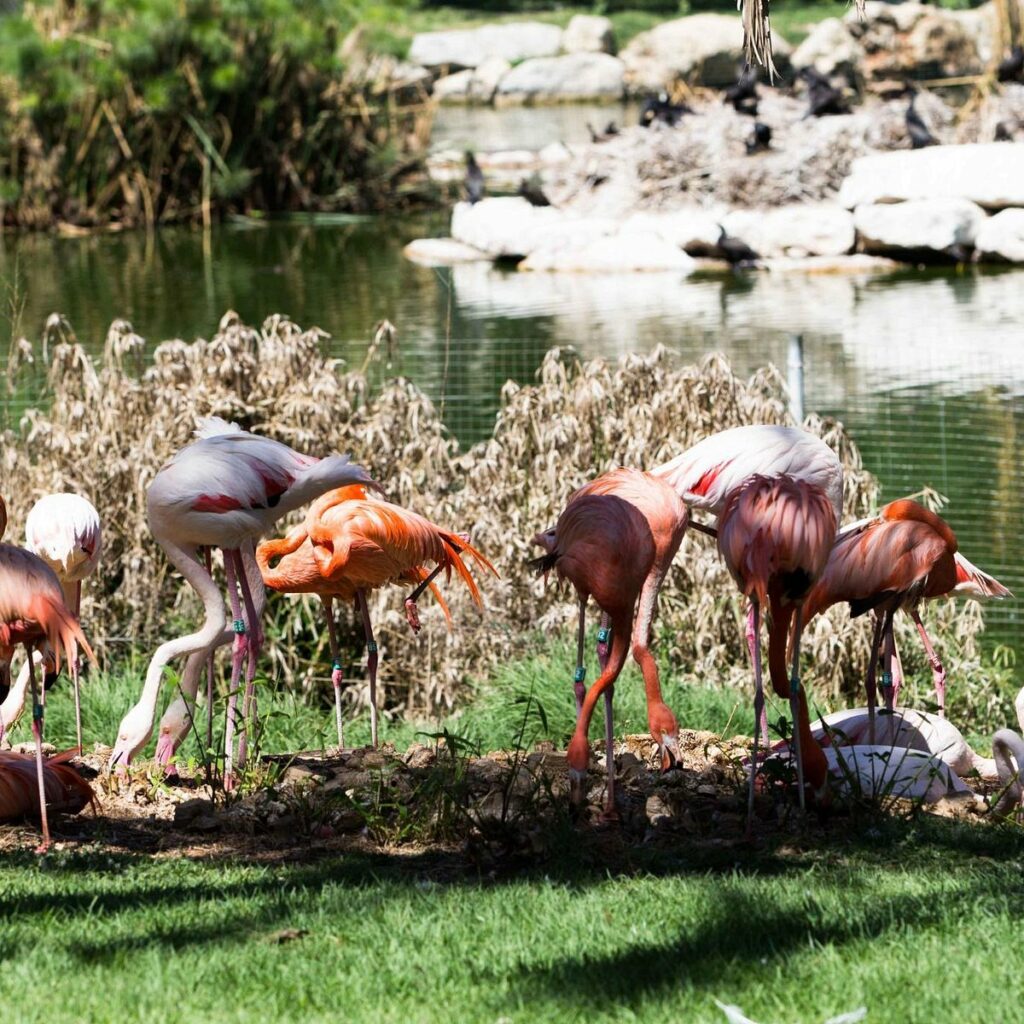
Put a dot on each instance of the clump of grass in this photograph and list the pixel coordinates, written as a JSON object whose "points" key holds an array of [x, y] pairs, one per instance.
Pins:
{"points": [[109, 427]]}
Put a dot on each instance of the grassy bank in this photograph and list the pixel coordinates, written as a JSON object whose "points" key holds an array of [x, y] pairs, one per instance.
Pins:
{"points": [[597, 934]]}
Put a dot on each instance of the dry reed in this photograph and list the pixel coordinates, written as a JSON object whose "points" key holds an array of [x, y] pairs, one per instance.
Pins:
{"points": [[107, 428]]}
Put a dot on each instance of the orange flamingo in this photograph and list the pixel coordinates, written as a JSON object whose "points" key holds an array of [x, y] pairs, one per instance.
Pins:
{"points": [[351, 544], [33, 613], [66, 791], [902, 556], [614, 541], [775, 535]]}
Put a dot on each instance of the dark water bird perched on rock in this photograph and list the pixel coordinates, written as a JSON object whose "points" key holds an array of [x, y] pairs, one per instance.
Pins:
{"points": [[823, 97], [661, 108], [735, 250], [918, 131], [1011, 68], [474, 180], [1003, 132], [611, 129], [760, 139], [743, 94], [532, 190]]}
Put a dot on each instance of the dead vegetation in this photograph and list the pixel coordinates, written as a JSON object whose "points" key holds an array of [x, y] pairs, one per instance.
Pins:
{"points": [[106, 428]]}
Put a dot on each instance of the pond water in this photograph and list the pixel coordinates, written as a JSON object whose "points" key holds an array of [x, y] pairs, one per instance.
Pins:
{"points": [[925, 368]]}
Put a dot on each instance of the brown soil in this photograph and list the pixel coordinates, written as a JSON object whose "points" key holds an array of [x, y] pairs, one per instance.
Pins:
{"points": [[425, 801]]}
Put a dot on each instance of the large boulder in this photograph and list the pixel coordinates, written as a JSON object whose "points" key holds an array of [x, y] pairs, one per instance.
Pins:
{"points": [[589, 33], [572, 76], [691, 228], [803, 229], [831, 48], [1002, 237], [470, 47], [703, 49], [922, 226], [473, 85], [508, 227], [990, 174], [626, 252], [441, 252]]}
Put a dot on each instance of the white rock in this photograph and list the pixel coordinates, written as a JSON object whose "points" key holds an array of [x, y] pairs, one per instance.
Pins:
{"points": [[505, 226], [441, 252], [854, 263], [588, 33], [831, 49], [800, 229], [470, 47], [988, 173], [572, 76], [474, 85], [1002, 236], [693, 229], [921, 224], [702, 48], [625, 252]]}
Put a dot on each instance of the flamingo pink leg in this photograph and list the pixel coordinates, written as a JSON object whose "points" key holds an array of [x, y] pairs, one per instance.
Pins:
{"points": [[208, 553], [579, 685], [754, 646], [37, 735], [869, 680], [897, 673], [336, 674], [371, 662], [255, 643], [73, 671], [888, 642], [753, 631], [604, 640], [794, 705], [237, 654], [938, 672], [609, 753]]}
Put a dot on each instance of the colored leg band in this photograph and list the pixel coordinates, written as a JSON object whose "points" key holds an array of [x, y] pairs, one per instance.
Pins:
{"points": [[239, 626], [603, 635], [372, 646], [581, 674]]}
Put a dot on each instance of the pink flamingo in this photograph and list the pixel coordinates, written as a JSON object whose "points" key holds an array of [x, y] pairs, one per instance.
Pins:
{"points": [[895, 560], [224, 490], [615, 542], [64, 531], [351, 544], [778, 493], [32, 612]]}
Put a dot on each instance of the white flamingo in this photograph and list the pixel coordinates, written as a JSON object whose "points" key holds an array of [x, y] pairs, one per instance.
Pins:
{"points": [[224, 490]]}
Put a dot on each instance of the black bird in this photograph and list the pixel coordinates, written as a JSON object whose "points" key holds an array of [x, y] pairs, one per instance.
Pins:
{"points": [[737, 252], [611, 129], [743, 95], [823, 97], [1003, 133], [1011, 69], [474, 180], [661, 108], [532, 191], [760, 139], [916, 128]]}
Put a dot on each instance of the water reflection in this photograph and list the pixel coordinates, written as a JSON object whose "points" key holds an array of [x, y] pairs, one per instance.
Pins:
{"points": [[927, 369]]}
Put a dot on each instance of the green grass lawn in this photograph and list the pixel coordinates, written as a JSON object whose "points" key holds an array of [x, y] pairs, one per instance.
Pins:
{"points": [[917, 923]]}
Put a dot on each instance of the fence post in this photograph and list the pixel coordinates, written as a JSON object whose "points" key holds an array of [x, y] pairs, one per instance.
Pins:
{"points": [[795, 376]]}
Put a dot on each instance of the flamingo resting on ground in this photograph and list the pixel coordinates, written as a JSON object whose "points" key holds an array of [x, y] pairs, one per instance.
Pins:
{"points": [[33, 612], [351, 544], [615, 542], [224, 490], [64, 531], [902, 556], [66, 791]]}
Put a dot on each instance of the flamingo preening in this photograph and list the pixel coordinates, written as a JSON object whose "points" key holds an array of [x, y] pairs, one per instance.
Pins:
{"points": [[777, 492], [615, 541], [224, 490], [32, 613], [902, 556], [64, 531], [350, 544]]}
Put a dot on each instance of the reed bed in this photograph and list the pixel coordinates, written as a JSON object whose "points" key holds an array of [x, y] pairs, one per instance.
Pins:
{"points": [[107, 427]]}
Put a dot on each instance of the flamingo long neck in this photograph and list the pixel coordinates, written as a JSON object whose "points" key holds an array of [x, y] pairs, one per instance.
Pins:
{"points": [[185, 561], [781, 617], [1008, 747], [12, 707], [1019, 705]]}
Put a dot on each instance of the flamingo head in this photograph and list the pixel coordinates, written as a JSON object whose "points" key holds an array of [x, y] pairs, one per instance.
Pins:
{"points": [[132, 735], [665, 732], [578, 758], [174, 727], [1019, 705]]}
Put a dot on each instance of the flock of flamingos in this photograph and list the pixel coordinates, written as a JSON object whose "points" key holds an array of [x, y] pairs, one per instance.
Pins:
{"points": [[775, 493]]}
